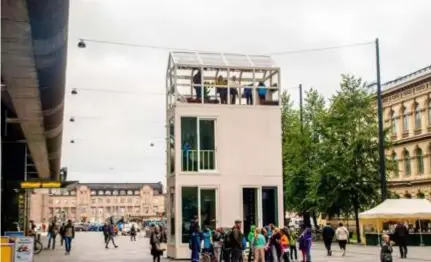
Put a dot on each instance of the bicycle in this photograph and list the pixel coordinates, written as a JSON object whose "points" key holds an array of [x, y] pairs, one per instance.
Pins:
{"points": [[207, 257], [38, 246]]}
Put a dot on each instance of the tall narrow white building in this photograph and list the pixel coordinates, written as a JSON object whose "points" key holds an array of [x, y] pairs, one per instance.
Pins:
{"points": [[224, 143]]}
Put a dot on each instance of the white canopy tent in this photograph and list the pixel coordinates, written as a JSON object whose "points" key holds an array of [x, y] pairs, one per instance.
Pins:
{"points": [[399, 208], [396, 209]]}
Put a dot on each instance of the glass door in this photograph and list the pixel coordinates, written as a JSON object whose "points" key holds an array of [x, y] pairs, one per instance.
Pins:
{"points": [[269, 206], [208, 208], [249, 208]]}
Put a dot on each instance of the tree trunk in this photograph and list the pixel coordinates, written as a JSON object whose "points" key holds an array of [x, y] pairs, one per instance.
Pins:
{"points": [[314, 219], [356, 210], [306, 219]]}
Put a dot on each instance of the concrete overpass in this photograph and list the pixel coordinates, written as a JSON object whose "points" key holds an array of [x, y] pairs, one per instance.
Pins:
{"points": [[33, 70]]}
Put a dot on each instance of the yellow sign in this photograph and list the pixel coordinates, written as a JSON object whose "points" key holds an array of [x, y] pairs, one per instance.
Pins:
{"points": [[48, 184]]}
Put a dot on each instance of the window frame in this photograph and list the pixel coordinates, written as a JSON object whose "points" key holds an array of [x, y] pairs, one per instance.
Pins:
{"points": [[405, 119], [418, 120], [420, 168], [393, 123], [199, 188], [406, 157], [198, 144]]}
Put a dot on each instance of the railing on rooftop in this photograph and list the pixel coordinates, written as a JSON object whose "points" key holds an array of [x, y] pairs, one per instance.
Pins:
{"points": [[227, 79]]}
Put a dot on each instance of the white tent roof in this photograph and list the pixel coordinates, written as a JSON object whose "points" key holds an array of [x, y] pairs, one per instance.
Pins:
{"points": [[399, 208], [198, 59]]}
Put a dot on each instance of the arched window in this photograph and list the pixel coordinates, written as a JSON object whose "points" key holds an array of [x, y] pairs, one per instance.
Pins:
{"points": [[393, 123], [395, 164], [417, 116], [405, 119], [419, 161], [407, 164]]}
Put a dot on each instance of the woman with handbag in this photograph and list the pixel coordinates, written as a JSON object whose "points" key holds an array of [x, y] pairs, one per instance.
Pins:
{"points": [[157, 243]]}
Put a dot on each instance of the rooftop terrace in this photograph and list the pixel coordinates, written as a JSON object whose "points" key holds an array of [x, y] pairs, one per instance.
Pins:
{"points": [[217, 78]]}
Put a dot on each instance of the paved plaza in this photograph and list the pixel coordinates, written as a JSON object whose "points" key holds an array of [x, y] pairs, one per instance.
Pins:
{"points": [[89, 247]]}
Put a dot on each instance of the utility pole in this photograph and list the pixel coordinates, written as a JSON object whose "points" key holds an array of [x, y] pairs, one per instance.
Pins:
{"points": [[380, 119]]}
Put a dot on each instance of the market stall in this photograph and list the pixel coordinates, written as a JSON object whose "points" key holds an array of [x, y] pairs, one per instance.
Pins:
{"points": [[414, 213]]}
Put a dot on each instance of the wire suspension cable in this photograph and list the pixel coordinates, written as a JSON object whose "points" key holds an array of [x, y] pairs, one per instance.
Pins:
{"points": [[300, 51], [206, 51]]}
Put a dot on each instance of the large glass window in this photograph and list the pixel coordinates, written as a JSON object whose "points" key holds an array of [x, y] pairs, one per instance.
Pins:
{"points": [[171, 152], [189, 209], [208, 208], [207, 144], [269, 205], [189, 143], [407, 164], [172, 207], [405, 120], [419, 161], [198, 143], [417, 117]]}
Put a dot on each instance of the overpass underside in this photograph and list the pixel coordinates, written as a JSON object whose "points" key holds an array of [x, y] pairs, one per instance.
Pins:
{"points": [[33, 72]]}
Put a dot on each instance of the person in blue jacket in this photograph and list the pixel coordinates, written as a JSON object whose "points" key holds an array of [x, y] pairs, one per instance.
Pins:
{"points": [[195, 241]]}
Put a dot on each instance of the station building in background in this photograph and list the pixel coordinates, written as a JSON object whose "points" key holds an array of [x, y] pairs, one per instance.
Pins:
{"points": [[224, 144], [96, 202], [407, 115], [33, 71]]}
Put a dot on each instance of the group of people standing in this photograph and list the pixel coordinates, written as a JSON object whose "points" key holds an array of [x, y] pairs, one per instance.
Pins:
{"points": [[66, 232], [271, 243]]}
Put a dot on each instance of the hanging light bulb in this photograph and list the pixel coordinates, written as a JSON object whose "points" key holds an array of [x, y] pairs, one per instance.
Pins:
{"points": [[72, 119], [72, 141], [74, 91], [81, 44]]}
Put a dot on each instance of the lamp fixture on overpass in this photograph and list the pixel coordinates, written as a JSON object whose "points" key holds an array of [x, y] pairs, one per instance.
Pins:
{"points": [[81, 44]]}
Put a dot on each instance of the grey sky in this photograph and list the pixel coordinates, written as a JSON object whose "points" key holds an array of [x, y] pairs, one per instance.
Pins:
{"points": [[113, 130]]}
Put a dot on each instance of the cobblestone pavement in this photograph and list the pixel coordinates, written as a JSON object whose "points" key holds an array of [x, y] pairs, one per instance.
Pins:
{"points": [[89, 247]]}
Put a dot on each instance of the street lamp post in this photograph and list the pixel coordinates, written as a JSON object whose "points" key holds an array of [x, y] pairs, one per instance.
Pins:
{"points": [[382, 170]]}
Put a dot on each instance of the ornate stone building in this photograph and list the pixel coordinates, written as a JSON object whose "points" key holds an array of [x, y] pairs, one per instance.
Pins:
{"points": [[94, 202], [407, 115]]}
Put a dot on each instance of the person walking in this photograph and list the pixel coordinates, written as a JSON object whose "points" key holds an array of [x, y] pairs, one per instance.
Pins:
{"points": [[401, 234], [342, 235], [111, 235], [62, 232], [133, 233], [386, 250], [305, 240], [284, 242], [69, 234], [155, 243], [106, 231], [52, 234], [328, 234]]}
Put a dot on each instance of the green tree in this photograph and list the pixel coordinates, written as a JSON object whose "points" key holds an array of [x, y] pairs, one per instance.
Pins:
{"points": [[301, 154], [349, 177]]}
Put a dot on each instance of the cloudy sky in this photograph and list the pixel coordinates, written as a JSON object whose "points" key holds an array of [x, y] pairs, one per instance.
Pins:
{"points": [[120, 110]]}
